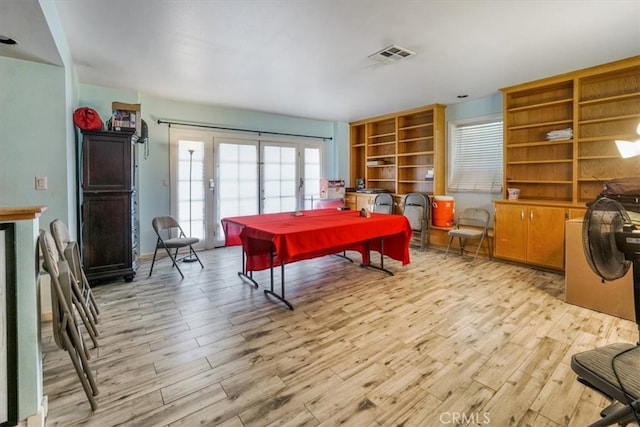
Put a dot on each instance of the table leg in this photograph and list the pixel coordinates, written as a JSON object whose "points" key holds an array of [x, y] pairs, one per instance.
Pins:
{"points": [[272, 291], [381, 266], [244, 274], [344, 256]]}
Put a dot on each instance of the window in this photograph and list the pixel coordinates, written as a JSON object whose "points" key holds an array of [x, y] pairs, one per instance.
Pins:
{"points": [[476, 156]]}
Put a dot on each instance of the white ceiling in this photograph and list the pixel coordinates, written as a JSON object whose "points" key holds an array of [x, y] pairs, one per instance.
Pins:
{"points": [[308, 58]]}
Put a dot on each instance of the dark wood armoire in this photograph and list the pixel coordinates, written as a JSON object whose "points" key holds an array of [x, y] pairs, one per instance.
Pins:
{"points": [[109, 214]]}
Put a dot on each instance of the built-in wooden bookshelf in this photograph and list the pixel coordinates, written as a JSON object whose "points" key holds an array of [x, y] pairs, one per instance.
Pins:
{"points": [[401, 152], [597, 105], [557, 177]]}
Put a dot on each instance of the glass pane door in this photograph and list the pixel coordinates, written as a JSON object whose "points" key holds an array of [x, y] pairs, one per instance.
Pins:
{"points": [[190, 200], [237, 180], [280, 179], [312, 169], [218, 176]]}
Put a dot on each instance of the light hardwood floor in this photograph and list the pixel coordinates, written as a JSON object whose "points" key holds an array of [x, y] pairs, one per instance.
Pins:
{"points": [[440, 343]]}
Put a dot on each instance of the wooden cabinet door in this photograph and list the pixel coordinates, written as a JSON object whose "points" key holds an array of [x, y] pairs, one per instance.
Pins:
{"points": [[510, 232], [106, 235], [107, 162], [350, 199], [365, 201], [546, 236]]}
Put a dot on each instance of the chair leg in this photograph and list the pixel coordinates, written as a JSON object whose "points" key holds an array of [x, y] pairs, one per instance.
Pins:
{"points": [[74, 344], [427, 241], [86, 320], [75, 264], [173, 260], [448, 246], [81, 301], [91, 301], [154, 260], [80, 371], [477, 249], [461, 244], [195, 255], [423, 234]]}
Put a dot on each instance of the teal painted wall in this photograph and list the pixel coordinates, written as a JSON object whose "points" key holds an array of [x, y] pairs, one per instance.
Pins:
{"points": [[50, 12], [33, 136], [476, 108], [37, 139], [154, 196]]}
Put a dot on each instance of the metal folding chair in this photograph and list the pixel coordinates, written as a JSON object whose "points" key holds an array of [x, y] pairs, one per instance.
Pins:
{"points": [[472, 224], [416, 208], [166, 227], [84, 300], [65, 326]]}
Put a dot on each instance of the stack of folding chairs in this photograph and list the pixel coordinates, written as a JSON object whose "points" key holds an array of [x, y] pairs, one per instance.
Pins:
{"points": [[70, 295]]}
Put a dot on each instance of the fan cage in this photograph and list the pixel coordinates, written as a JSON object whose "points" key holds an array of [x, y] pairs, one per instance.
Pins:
{"points": [[604, 218]]}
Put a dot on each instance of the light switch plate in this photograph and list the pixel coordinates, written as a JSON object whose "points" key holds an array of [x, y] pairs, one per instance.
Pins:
{"points": [[41, 183]]}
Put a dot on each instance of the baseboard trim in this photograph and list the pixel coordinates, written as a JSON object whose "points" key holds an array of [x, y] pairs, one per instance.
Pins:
{"points": [[39, 418]]}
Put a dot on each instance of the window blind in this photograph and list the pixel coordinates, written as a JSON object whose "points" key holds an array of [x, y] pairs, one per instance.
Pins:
{"points": [[477, 158]]}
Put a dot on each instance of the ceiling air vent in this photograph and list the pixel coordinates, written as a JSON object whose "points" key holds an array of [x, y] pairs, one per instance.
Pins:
{"points": [[390, 54]]}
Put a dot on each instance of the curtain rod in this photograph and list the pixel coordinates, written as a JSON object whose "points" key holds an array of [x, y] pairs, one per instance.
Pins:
{"points": [[260, 132]]}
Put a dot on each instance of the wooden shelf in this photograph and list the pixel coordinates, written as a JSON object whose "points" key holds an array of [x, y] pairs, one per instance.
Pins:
{"points": [[423, 138], [608, 138], [541, 124], [540, 182], [421, 125], [609, 119], [544, 143], [413, 143], [614, 98], [617, 157], [382, 135], [376, 144], [541, 105], [540, 162], [416, 153]]}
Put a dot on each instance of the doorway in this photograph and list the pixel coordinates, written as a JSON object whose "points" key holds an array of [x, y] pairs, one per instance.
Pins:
{"points": [[217, 175]]}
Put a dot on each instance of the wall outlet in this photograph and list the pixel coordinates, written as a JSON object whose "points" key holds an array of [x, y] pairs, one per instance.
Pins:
{"points": [[41, 183]]}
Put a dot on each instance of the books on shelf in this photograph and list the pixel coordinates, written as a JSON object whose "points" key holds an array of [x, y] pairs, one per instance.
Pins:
{"points": [[126, 116]]}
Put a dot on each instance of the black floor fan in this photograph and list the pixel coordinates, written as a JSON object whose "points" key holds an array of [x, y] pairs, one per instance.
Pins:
{"points": [[612, 246]]}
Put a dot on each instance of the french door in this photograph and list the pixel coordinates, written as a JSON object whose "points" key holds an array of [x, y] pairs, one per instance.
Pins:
{"points": [[217, 176]]}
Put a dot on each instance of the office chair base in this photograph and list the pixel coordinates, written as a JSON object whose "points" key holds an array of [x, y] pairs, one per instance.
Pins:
{"points": [[617, 414]]}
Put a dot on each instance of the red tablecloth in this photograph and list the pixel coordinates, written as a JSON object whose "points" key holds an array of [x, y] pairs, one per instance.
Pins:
{"points": [[316, 233]]}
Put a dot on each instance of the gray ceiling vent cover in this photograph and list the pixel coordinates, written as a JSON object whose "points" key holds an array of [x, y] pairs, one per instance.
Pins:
{"points": [[390, 54]]}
